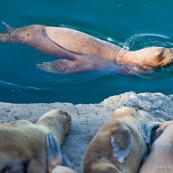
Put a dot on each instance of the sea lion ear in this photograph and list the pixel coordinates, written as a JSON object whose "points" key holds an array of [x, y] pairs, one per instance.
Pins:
{"points": [[146, 130], [121, 143]]}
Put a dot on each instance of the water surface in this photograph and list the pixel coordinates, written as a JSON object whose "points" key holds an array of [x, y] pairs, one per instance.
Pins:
{"points": [[136, 23]]}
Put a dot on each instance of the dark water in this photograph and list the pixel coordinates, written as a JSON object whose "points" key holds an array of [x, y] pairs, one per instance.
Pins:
{"points": [[136, 23]]}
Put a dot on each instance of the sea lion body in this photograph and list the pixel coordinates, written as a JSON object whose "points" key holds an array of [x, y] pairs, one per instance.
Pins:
{"points": [[79, 52], [23, 145], [118, 147], [161, 155], [76, 51]]}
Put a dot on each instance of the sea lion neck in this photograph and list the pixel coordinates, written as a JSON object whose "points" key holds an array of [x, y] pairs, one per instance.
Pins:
{"points": [[123, 57]]}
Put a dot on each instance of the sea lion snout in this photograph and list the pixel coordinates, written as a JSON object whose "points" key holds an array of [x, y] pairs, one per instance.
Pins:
{"points": [[171, 55], [64, 117], [156, 56]]}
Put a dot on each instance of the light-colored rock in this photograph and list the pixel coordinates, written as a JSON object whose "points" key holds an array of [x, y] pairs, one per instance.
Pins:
{"points": [[88, 118]]}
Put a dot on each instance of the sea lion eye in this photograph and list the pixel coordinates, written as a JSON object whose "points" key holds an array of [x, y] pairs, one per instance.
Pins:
{"points": [[161, 54]]}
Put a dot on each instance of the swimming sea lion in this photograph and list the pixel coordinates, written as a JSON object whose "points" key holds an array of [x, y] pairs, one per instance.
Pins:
{"points": [[118, 147], [22, 146], [79, 52], [161, 154]]}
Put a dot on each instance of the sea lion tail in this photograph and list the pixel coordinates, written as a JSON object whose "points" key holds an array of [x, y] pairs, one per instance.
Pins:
{"points": [[6, 25], [66, 161], [7, 35]]}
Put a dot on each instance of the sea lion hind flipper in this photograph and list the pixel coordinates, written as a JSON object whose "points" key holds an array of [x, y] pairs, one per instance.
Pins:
{"points": [[8, 35], [121, 143], [9, 28], [146, 130], [66, 161], [53, 150], [62, 66]]}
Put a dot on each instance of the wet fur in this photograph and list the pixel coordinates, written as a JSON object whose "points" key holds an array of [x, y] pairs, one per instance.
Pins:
{"points": [[80, 52]]}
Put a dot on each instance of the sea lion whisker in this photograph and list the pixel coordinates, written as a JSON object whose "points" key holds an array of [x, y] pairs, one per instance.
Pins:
{"points": [[165, 62]]}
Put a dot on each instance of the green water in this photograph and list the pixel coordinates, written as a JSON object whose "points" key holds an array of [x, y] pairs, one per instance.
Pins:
{"points": [[120, 20]]}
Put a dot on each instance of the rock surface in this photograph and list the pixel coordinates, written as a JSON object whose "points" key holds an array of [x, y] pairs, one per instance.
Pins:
{"points": [[88, 118]]}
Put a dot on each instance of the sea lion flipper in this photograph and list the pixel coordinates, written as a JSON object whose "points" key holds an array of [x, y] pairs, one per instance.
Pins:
{"points": [[122, 144], [66, 161], [146, 130], [65, 66], [53, 150], [9, 28], [62, 66]]}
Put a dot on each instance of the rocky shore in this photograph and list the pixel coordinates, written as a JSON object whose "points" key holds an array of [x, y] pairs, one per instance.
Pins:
{"points": [[88, 118]]}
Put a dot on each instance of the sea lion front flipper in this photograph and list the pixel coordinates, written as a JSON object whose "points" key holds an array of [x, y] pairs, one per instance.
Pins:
{"points": [[62, 66], [54, 156], [147, 131], [122, 143], [82, 63]]}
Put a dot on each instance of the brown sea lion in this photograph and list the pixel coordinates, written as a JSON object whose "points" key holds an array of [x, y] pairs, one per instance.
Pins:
{"points": [[161, 154], [79, 52], [22, 146], [118, 147]]}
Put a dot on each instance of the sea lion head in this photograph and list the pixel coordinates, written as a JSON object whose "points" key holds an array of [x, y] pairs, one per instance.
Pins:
{"points": [[56, 118], [154, 57], [125, 112], [145, 60]]}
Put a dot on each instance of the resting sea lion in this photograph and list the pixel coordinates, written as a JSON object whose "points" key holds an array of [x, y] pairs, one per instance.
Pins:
{"points": [[161, 154], [22, 146], [79, 52], [118, 147]]}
